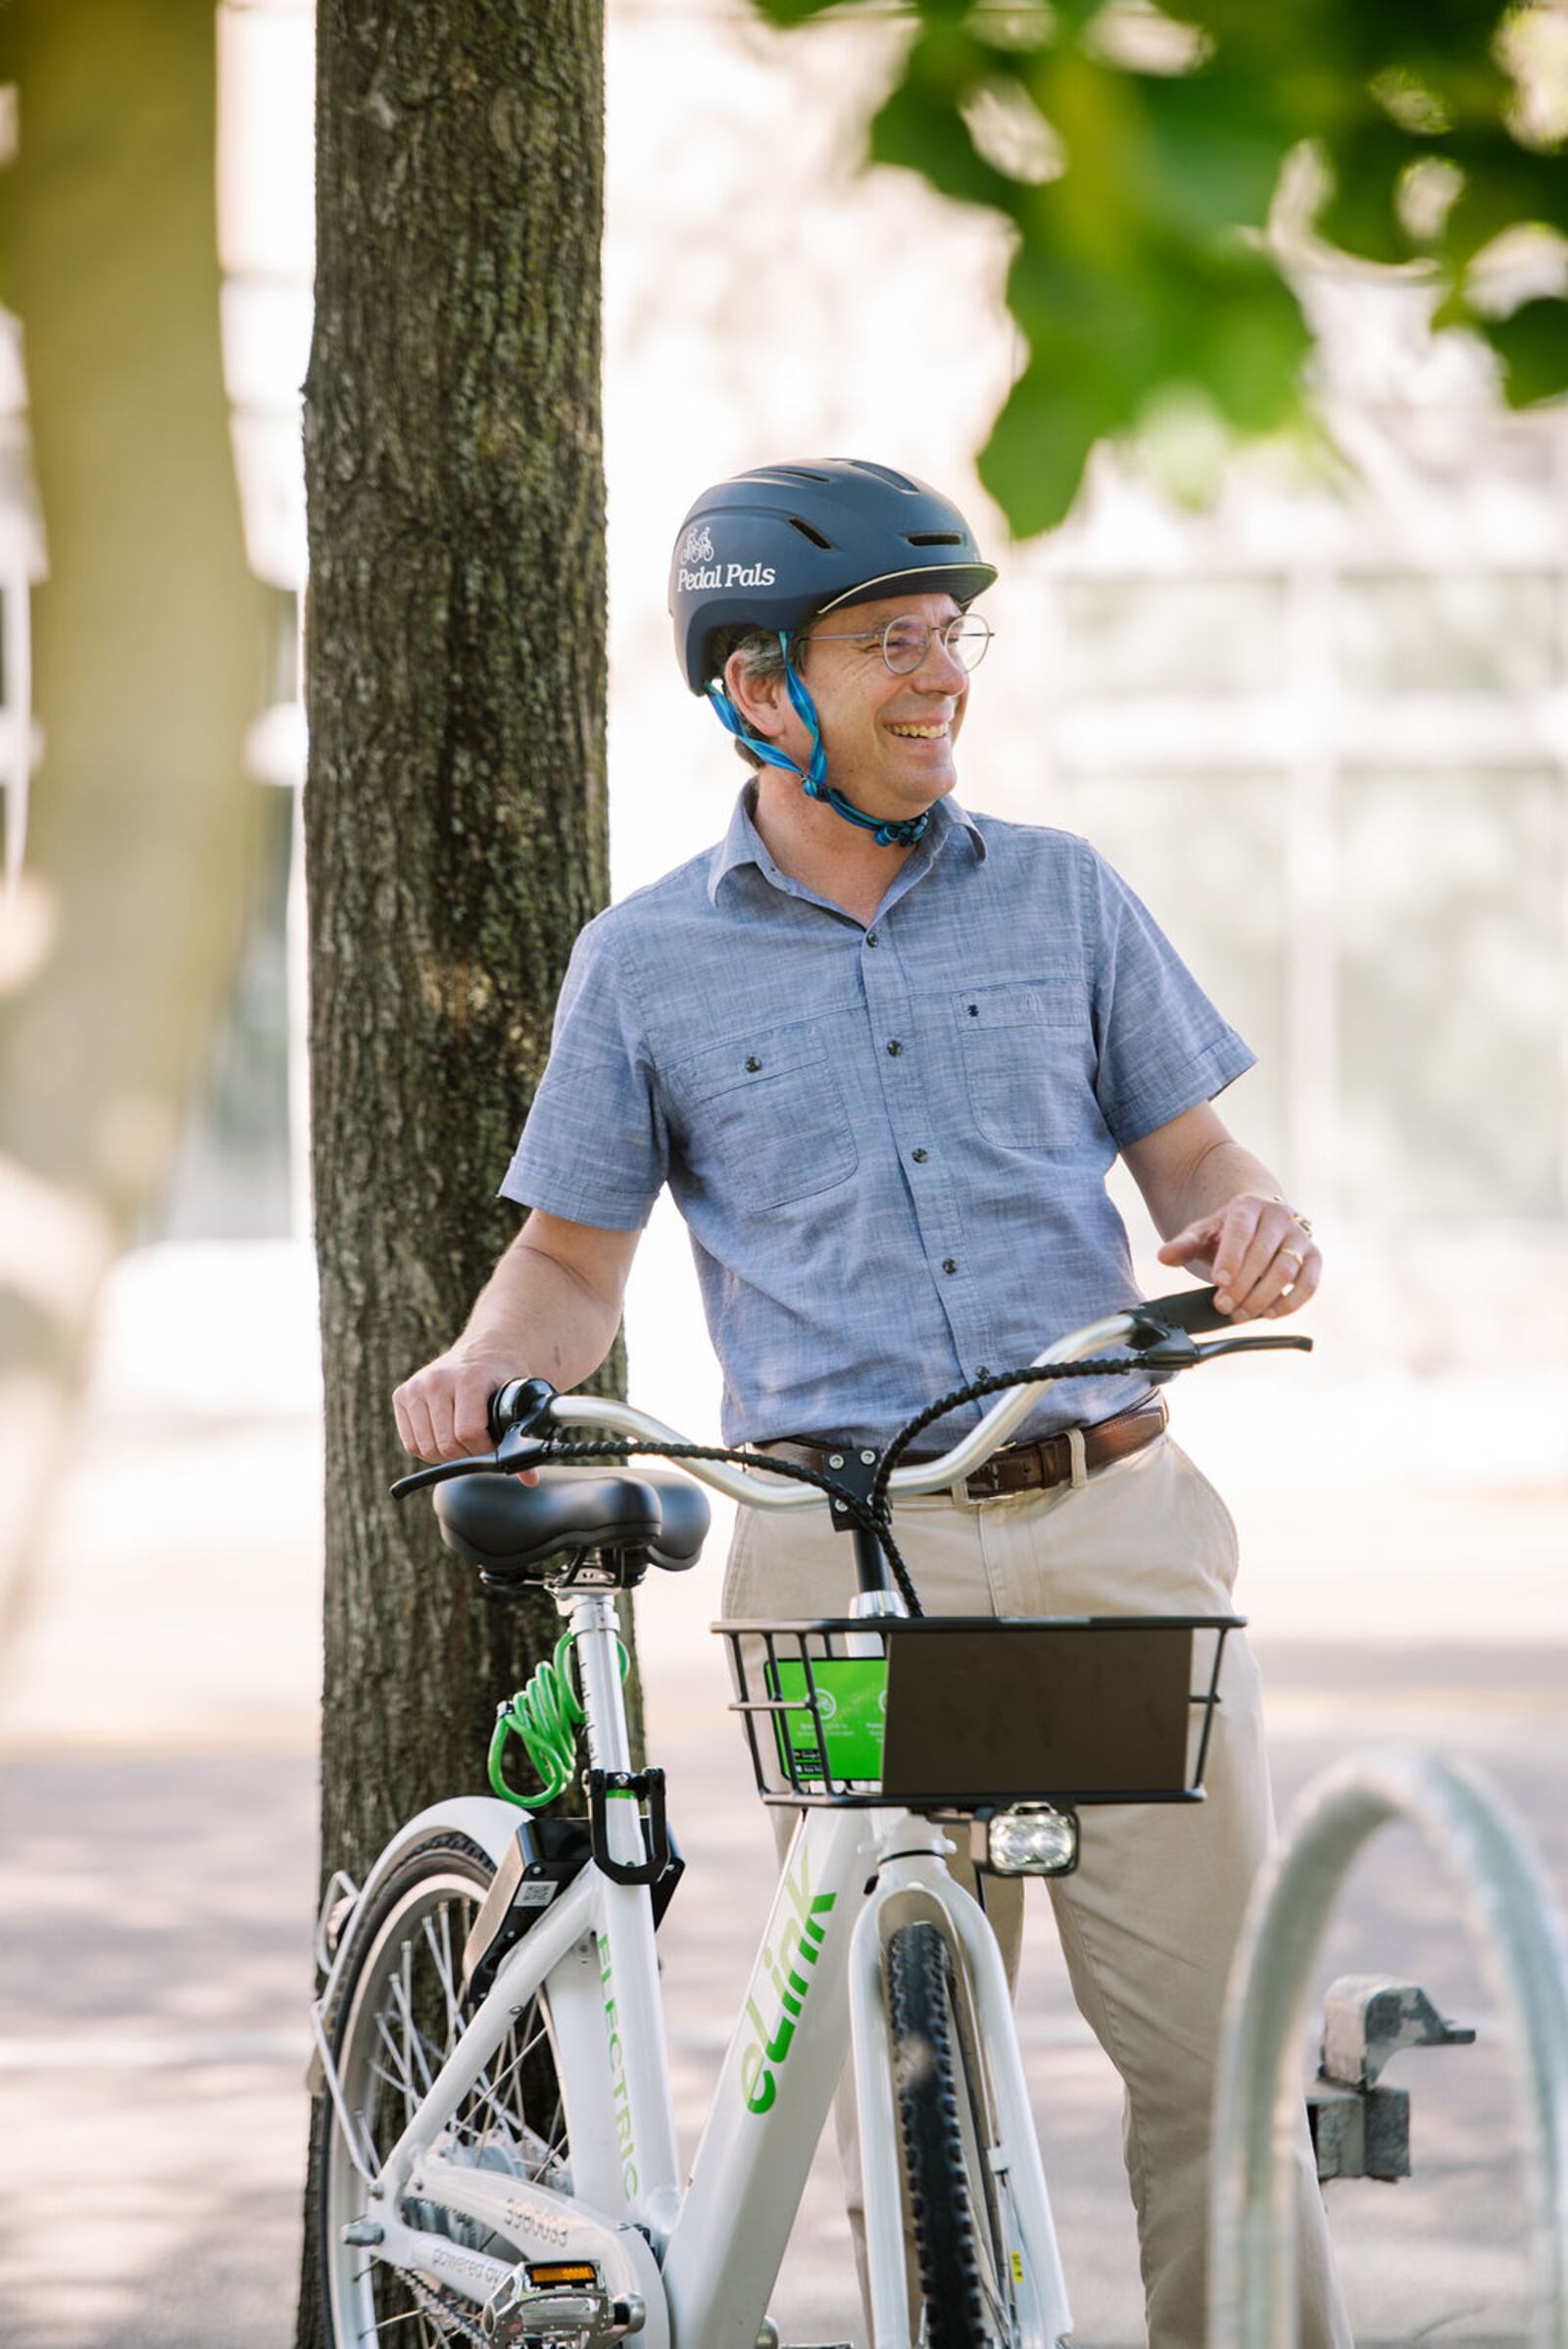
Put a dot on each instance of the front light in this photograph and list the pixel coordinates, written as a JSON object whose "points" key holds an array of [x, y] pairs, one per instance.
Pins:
{"points": [[1032, 1839]]}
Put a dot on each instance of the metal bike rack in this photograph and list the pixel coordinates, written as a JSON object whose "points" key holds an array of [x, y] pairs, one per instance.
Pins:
{"points": [[1519, 1933]]}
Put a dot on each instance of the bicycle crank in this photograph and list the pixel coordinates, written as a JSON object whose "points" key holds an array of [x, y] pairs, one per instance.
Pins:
{"points": [[522, 2314]]}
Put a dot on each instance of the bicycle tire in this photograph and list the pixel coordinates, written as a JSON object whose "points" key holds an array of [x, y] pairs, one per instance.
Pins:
{"points": [[394, 2016], [961, 2229]]}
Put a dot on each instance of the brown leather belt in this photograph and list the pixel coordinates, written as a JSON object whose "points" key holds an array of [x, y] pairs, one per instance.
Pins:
{"points": [[1028, 1467]]}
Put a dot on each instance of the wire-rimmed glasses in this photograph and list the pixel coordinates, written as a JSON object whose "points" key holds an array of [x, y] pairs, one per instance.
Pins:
{"points": [[907, 640]]}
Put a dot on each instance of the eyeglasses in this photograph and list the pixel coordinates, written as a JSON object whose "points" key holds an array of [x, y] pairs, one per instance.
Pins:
{"points": [[906, 641]]}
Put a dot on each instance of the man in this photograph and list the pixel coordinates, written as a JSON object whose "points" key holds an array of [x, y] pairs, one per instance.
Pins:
{"points": [[884, 1052]]}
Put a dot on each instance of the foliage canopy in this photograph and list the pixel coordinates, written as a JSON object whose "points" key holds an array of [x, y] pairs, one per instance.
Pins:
{"points": [[1167, 170]]}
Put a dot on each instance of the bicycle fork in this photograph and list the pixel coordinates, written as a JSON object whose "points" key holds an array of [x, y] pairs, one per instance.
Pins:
{"points": [[912, 1883]]}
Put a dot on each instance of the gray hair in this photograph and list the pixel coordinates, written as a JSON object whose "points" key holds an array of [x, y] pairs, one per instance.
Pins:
{"points": [[762, 657]]}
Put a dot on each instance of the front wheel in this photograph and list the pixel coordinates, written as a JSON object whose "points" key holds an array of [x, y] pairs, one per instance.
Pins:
{"points": [[395, 2017], [970, 2268]]}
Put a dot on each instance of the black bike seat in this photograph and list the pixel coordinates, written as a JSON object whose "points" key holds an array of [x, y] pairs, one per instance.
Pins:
{"points": [[509, 1527]]}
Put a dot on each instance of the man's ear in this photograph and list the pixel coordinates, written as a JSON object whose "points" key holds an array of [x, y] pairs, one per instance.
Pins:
{"points": [[757, 699]]}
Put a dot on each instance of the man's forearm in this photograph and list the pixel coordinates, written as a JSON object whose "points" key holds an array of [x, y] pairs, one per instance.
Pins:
{"points": [[1220, 1174], [541, 1319]]}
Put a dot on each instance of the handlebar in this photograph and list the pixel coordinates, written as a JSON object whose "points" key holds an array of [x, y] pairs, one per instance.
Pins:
{"points": [[524, 1412]]}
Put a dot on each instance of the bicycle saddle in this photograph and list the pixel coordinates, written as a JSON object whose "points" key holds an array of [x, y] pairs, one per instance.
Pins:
{"points": [[512, 1529]]}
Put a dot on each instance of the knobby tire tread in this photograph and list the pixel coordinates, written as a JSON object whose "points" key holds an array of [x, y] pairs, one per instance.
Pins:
{"points": [[928, 2081]]}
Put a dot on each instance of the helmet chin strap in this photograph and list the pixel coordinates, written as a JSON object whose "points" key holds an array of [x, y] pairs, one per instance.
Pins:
{"points": [[813, 776]]}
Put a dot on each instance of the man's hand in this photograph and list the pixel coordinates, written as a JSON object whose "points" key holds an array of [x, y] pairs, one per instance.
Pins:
{"points": [[1261, 1261], [551, 1307], [442, 1411]]}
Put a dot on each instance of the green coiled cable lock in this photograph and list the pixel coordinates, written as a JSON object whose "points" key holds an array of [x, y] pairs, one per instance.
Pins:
{"points": [[545, 1717]]}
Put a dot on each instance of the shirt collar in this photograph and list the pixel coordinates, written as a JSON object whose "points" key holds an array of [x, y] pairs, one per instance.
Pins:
{"points": [[743, 844]]}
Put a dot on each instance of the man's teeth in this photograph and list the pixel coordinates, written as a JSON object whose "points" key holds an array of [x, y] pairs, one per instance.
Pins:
{"points": [[920, 733]]}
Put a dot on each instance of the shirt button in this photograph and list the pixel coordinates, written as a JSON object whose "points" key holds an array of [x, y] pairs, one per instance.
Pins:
{"points": [[895, 1047], [752, 1065], [919, 1156], [871, 938], [949, 1264]]}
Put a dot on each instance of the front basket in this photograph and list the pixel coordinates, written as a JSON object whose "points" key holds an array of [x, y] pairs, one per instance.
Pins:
{"points": [[961, 1713]]}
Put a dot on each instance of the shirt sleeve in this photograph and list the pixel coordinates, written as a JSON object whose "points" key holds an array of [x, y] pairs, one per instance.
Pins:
{"points": [[595, 1149], [1163, 1046]]}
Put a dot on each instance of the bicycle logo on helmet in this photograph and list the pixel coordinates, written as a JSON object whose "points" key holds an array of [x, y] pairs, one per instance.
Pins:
{"points": [[697, 546]]}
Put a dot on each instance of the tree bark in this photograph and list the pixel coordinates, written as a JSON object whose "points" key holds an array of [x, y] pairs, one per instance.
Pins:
{"points": [[455, 811]]}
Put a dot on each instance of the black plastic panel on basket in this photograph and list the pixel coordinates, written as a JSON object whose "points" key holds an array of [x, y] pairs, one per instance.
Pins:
{"points": [[963, 1713]]}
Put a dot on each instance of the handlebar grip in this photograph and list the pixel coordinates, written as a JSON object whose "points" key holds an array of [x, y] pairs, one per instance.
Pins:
{"points": [[1189, 1309]]}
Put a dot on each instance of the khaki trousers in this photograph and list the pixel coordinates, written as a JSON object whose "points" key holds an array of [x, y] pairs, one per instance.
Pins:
{"points": [[1148, 1921]]}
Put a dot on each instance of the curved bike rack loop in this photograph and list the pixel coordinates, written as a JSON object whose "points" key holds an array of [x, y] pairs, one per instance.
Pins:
{"points": [[1514, 1921]]}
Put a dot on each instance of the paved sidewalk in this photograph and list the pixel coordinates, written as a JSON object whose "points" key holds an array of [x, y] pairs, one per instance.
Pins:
{"points": [[157, 1859]]}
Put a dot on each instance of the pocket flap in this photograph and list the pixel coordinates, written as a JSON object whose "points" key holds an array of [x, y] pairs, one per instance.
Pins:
{"points": [[750, 1060], [1049, 1001]]}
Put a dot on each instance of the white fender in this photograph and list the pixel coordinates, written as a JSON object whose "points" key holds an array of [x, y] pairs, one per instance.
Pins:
{"points": [[483, 1818]]}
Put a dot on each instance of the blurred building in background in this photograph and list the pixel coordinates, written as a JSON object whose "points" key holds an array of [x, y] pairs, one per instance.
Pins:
{"points": [[1322, 726]]}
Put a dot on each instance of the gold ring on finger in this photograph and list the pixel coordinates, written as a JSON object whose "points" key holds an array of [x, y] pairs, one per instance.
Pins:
{"points": [[1291, 1256]]}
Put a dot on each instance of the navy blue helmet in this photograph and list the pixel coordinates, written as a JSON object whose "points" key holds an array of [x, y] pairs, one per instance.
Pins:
{"points": [[777, 547]]}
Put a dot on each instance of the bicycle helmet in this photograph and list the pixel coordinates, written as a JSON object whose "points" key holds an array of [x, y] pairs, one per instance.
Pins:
{"points": [[779, 546]]}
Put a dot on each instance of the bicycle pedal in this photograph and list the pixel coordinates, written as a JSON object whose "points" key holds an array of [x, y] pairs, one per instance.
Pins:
{"points": [[520, 2315]]}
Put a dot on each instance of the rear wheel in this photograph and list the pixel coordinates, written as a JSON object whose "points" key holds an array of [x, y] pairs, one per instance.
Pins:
{"points": [[395, 2019], [965, 2242]]}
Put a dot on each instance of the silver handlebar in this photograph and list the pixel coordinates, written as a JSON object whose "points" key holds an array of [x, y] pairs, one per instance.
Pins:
{"points": [[970, 1452]]}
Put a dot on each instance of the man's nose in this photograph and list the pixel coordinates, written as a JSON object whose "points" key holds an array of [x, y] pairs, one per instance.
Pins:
{"points": [[940, 671]]}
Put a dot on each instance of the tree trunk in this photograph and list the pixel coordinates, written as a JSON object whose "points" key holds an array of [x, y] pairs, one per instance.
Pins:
{"points": [[456, 832], [149, 644]]}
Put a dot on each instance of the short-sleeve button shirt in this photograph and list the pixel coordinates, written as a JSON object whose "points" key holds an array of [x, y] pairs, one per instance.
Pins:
{"points": [[889, 1141]]}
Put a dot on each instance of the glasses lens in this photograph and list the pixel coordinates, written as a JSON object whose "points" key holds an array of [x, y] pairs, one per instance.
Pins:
{"points": [[967, 640], [904, 645]]}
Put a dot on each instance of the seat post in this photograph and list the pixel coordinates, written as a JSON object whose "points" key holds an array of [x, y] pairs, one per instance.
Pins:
{"points": [[596, 1632]]}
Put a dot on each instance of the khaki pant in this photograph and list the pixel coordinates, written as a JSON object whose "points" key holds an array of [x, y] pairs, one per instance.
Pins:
{"points": [[1148, 1921]]}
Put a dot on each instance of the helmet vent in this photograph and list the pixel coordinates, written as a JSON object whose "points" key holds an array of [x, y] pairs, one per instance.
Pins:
{"points": [[934, 538], [798, 472], [815, 536]]}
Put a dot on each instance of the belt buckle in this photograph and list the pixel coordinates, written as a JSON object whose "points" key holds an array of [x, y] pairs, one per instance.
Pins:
{"points": [[985, 1483]]}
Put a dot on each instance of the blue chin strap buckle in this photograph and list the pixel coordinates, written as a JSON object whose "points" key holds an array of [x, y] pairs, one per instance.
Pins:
{"points": [[813, 776]]}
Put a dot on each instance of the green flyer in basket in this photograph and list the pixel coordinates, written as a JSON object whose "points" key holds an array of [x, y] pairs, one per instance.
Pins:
{"points": [[852, 1699]]}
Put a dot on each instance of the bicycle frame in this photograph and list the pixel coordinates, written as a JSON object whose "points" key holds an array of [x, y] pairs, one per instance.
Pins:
{"points": [[703, 2263]]}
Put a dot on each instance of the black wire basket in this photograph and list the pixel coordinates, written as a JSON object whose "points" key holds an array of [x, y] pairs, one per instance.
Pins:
{"points": [[969, 1713]]}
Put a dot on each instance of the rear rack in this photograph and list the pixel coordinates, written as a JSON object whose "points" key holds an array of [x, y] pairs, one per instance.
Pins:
{"points": [[967, 1713]]}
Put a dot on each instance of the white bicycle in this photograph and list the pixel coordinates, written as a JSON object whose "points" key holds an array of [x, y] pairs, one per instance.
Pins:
{"points": [[494, 2159]]}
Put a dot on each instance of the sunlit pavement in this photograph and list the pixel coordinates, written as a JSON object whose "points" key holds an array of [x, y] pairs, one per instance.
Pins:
{"points": [[157, 1730]]}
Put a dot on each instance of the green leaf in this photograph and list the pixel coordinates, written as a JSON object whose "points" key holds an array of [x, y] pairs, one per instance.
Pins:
{"points": [[1034, 461], [788, 13], [1210, 146], [924, 134], [1504, 184], [1367, 159], [1533, 345]]}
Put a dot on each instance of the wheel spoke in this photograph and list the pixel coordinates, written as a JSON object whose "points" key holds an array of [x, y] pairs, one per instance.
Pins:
{"points": [[398, 2020]]}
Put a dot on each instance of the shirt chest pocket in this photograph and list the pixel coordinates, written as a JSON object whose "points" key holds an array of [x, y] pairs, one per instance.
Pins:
{"points": [[765, 1118], [1024, 1049]]}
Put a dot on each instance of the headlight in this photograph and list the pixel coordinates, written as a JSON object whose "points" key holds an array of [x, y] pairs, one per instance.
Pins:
{"points": [[1032, 1839]]}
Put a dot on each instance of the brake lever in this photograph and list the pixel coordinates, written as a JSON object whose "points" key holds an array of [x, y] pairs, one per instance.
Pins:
{"points": [[441, 1473], [1253, 1346], [516, 1450]]}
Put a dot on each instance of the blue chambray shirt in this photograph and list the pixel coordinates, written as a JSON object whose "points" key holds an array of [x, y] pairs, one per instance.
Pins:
{"points": [[889, 1144]]}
